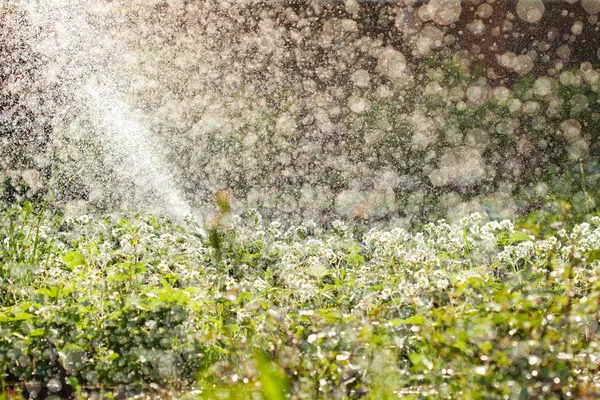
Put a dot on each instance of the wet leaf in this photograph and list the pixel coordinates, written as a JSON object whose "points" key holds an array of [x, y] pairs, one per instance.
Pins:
{"points": [[73, 259]]}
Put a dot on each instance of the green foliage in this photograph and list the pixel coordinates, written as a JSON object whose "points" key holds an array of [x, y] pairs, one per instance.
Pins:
{"points": [[272, 378], [476, 309]]}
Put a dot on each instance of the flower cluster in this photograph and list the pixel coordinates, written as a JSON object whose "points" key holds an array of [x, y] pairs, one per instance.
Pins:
{"points": [[135, 300]]}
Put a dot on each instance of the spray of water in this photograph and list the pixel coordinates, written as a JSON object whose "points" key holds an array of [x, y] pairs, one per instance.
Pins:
{"points": [[129, 148], [382, 111]]}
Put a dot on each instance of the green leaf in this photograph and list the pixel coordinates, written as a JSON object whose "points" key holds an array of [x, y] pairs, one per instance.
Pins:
{"points": [[67, 290], [592, 255], [524, 395], [73, 259], [48, 292], [502, 238], [416, 359], [318, 271], [415, 320], [22, 316], [272, 378], [355, 259], [55, 292], [519, 237]]}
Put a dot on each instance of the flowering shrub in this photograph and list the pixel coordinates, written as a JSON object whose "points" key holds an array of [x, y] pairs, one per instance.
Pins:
{"points": [[473, 309]]}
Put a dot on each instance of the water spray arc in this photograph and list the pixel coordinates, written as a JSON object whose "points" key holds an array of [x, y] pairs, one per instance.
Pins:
{"points": [[87, 72], [129, 145]]}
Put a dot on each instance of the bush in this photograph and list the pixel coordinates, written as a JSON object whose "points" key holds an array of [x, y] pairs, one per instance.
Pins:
{"points": [[474, 309]]}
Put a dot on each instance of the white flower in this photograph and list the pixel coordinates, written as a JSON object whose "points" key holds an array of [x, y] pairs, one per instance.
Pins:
{"points": [[230, 283], [260, 284], [442, 284], [386, 293]]}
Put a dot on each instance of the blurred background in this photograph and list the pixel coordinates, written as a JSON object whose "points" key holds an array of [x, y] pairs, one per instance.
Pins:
{"points": [[385, 112]]}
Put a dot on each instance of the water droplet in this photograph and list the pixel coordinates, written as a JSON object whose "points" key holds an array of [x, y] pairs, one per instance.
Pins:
{"points": [[564, 52], [477, 27], [425, 12], [564, 356], [481, 370], [542, 87], [530, 11], [391, 63], [531, 107], [533, 360], [591, 6], [445, 12], [592, 77], [24, 360], [33, 388], [514, 105], [577, 28], [476, 93], [54, 385], [430, 37], [360, 78], [358, 105], [484, 10], [571, 129], [501, 94], [352, 6]]}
